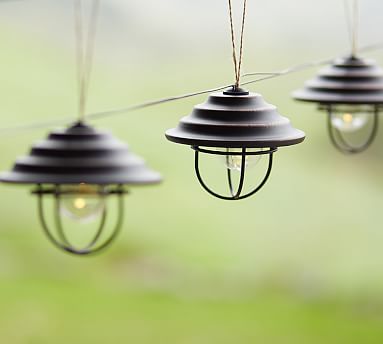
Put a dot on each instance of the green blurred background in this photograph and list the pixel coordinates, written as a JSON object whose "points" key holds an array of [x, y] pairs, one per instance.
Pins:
{"points": [[299, 263]]}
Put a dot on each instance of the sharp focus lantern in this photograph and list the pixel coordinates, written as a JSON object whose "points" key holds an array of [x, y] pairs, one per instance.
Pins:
{"points": [[240, 126], [80, 168], [351, 91]]}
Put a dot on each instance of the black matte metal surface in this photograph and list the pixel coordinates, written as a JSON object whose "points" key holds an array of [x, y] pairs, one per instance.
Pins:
{"points": [[80, 154], [349, 80], [231, 120]]}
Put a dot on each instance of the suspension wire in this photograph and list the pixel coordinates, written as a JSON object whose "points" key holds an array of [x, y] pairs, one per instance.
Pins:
{"points": [[78, 29], [91, 43], [289, 70], [99, 115], [36, 125], [355, 28], [84, 51], [237, 63], [108, 113], [347, 15], [352, 22], [371, 47], [307, 65]]}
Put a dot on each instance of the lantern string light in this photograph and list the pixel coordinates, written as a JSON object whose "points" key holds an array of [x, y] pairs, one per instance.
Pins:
{"points": [[221, 124], [84, 51], [350, 90], [263, 76]]}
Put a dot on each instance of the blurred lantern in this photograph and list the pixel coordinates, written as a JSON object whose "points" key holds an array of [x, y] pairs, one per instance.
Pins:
{"points": [[80, 168], [351, 92], [240, 126]]}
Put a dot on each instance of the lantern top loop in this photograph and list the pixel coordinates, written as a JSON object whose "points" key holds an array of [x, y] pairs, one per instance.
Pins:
{"points": [[235, 118], [80, 154], [236, 91]]}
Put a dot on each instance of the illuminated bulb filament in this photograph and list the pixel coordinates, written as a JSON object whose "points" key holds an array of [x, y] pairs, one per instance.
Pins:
{"points": [[81, 202], [347, 118], [350, 118]]}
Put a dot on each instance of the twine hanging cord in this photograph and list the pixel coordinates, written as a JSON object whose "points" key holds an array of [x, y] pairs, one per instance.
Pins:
{"points": [[352, 22], [237, 63], [84, 51]]}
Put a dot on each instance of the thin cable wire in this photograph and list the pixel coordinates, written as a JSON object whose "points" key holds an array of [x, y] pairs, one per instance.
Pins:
{"points": [[304, 66], [36, 125], [291, 69], [103, 114], [371, 47], [150, 103]]}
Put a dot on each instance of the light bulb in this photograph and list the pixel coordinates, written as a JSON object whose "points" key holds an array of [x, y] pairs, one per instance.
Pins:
{"points": [[82, 203], [350, 119], [234, 162]]}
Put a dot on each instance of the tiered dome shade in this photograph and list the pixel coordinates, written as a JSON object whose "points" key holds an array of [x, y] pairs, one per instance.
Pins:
{"points": [[228, 120], [80, 154], [350, 80]]}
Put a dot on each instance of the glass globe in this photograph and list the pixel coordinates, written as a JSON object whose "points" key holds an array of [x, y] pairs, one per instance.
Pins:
{"points": [[81, 203], [349, 119], [234, 162]]}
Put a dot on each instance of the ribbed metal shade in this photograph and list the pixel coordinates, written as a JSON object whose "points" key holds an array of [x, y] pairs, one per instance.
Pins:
{"points": [[350, 80], [229, 119], [80, 154]]}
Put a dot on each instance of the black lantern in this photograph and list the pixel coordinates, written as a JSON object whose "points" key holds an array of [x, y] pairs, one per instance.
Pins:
{"points": [[351, 91], [240, 126], [80, 167]]}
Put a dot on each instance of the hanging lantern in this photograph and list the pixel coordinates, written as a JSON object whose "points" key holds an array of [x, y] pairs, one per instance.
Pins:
{"points": [[240, 126], [80, 167], [351, 92]]}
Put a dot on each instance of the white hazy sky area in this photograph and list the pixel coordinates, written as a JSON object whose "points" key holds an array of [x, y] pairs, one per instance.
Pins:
{"points": [[193, 28]]}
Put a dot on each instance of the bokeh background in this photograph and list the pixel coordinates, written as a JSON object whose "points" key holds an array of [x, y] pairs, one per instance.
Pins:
{"points": [[301, 262]]}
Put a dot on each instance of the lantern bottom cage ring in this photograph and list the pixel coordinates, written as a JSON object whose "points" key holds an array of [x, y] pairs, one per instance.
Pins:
{"points": [[235, 194], [60, 239], [341, 143]]}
